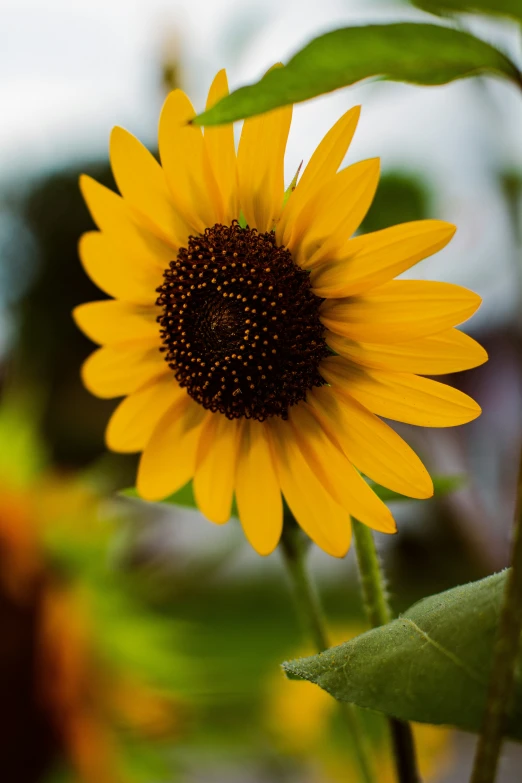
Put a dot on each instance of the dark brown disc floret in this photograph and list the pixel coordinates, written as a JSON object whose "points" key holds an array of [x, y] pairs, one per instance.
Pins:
{"points": [[240, 324]]}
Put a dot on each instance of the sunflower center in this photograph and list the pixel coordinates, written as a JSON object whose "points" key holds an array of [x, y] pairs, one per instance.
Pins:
{"points": [[240, 324]]}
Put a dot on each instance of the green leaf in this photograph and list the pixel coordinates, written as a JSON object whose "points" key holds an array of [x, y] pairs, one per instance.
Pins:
{"points": [[511, 8], [406, 52], [183, 497], [292, 186], [431, 665], [442, 485]]}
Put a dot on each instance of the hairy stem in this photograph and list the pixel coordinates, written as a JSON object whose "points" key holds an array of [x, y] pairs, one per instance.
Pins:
{"points": [[379, 613], [504, 661], [293, 550]]}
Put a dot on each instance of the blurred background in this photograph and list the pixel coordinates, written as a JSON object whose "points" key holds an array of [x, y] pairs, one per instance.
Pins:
{"points": [[140, 643]]}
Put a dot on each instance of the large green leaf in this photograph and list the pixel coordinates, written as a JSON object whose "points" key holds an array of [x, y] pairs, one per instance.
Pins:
{"points": [[415, 53], [431, 665], [511, 8]]}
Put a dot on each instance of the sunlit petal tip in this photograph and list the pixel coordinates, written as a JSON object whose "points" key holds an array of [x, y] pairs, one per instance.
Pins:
{"points": [[215, 518], [177, 105], [118, 139], [261, 550], [450, 227], [117, 133], [76, 314], [177, 112], [82, 242], [339, 549], [481, 355], [218, 88], [89, 376], [423, 491], [364, 168], [474, 410], [373, 164], [81, 318], [85, 375], [111, 441], [147, 492], [83, 182], [421, 483], [87, 186]]}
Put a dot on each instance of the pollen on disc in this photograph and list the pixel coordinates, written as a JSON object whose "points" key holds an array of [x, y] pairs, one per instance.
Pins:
{"points": [[240, 325]]}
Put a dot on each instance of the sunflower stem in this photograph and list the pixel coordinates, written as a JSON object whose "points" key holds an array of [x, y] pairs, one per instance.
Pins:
{"points": [[293, 549], [379, 613], [500, 693]]}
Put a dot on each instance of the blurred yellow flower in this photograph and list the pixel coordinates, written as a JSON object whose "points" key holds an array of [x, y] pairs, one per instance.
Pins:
{"points": [[303, 721], [257, 342]]}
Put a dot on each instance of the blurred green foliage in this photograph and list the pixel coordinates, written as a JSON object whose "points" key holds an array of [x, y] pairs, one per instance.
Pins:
{"points": [[509, 8], [400, 198]]}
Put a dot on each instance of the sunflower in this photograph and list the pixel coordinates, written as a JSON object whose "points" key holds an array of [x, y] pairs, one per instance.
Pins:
{"points": [[255, 339]]}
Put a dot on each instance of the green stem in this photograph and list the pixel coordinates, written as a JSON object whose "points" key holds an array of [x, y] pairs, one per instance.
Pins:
{"points": [[379, 613], [293, 550], [504, 661]]}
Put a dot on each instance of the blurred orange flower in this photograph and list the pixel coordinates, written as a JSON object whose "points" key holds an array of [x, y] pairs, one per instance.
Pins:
{"points": [[84, 699]]}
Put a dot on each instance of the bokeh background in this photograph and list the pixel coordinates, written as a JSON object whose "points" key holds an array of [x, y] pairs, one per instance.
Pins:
{"points": [[141, 643]]}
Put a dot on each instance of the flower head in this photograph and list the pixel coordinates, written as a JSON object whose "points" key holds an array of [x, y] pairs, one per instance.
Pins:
{"points": [[256, 340]]}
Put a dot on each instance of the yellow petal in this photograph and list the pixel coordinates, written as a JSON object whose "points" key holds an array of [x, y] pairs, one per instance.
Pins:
{"points": [[112, 321], [216, 467], [330, 218], [114, 371], [399, 311], [372, 446], [135, 418], [142, 183], [401, 396], [219, 142], [447, 352], [113, 216], [118, 271], [258, 495], [322, 166], [322, 519], [260, 163], [372, 259], [191, 182], [169, 458], [336, 473]]}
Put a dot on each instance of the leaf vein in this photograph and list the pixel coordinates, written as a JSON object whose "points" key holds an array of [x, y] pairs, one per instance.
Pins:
{"points": [[447, 653]]}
